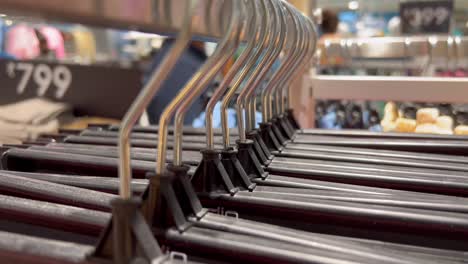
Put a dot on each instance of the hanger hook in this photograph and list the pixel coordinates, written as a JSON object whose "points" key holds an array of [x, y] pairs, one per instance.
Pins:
{"points": [[307, 58], [294, 65], [223, 52], [263, 39], [251, 33], [303, 55], [193, 87], [252, 95], [145, 96], [262, 68], [266, 93]]}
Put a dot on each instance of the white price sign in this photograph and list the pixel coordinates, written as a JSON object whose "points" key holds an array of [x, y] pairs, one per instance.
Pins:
{"points": [[42, 75]]}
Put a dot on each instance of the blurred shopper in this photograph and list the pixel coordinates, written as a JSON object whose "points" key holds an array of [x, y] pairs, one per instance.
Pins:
{"points": [[329, 25], [190, 61], [328, 29]]}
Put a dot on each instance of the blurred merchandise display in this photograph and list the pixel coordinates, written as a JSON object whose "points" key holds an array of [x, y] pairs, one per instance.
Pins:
{"points": [[443, 119], [33, 39], [439, 56], [26, 120], [368, 45], [334, 114]]}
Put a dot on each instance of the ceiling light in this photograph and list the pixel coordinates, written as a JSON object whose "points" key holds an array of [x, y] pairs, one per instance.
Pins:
{"points": [[353, 5]]}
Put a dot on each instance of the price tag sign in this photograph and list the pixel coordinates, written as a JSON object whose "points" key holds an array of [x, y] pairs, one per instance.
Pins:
{"points": [[426, 17], [92, 90], [42, 76]]}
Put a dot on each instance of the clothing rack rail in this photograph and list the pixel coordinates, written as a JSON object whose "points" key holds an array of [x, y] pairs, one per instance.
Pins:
{"points": [[163, 17]]}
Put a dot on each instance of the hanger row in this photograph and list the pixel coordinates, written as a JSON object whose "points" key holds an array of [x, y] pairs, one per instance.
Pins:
{"points": [[264, 192], [291, 42]]}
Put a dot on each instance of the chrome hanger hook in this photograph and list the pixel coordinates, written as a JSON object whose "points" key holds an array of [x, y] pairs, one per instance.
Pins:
{"points": [[144, 97], [262, 69], [277, 91], [195, 86], [288, 60], [263, 38], [223, 52], [251, 33], [307, 58], [250, 99], [292, 66]]}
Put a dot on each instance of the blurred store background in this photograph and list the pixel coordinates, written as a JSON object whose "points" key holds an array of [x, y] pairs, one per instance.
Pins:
{"points": [[387, 44]]}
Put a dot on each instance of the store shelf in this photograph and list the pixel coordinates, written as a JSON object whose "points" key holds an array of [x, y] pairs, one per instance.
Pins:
{"points": [[437, 47], [154, 16], [414, 89]]}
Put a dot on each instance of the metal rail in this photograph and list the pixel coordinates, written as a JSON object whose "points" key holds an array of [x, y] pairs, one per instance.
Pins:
{"points": [[163, 17], [397, 47], [415, 89]]}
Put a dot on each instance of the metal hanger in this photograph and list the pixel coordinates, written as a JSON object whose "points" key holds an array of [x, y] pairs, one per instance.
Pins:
{"points": [[312, 34], [196, 85], [281, 79], [290, 54], [248, 161], [125, 209], [233, 168], [250, 94], [145, 96], [253, 23], [311, 39], [261, 70], [230, 157], [307, 52], [291, 58], [220, 58], [278, 74], [290, 66], [264, 37], [282, 89], [245, 145]]}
